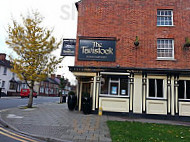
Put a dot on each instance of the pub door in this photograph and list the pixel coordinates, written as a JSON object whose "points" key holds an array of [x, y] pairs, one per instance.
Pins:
{"points": [[86, 91]]}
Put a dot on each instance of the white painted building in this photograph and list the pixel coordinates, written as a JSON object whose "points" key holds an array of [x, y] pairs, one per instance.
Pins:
{"points": [[9, 82]]}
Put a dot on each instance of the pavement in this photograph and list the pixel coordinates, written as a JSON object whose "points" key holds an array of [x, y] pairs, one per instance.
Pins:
{"points": [[53, 122]]}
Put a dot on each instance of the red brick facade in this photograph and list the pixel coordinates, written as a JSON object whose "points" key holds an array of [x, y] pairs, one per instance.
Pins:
{"points": [[126, 19]]}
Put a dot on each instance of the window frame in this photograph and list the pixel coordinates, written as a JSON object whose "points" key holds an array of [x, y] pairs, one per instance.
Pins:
{"points": [[164, 87], [164, 39], [13, 86], [3, 84], [5, 71], [119, 88], [185, 89], [172, 19]]}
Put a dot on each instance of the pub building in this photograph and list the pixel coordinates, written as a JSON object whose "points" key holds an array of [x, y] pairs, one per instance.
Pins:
{"points": [[133, 56]]}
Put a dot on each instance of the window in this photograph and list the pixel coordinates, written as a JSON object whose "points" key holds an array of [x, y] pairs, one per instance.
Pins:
{"points": [[156, 88], [184, 89], [24, 86], [46, 90], [165, 49], [164, 17], [5, 71], [3, 84], [13, 86], [115, 85], [41, 89]]}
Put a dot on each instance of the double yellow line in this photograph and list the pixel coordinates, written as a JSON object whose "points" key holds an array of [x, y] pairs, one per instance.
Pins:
{"points": [[15, 136]]}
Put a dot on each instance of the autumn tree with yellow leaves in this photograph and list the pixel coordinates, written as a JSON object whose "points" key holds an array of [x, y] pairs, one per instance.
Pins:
{"points": [[33, 45]]}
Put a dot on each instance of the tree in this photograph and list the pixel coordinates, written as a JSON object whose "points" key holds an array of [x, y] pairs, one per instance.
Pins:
{"points": [[33, 45]]}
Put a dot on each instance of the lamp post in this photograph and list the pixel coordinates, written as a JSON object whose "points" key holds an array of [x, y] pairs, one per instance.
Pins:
{"points": [[0, 92]]}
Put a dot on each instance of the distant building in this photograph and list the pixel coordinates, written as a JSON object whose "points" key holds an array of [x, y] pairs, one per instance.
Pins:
{"points": [[8, 80], [51, 86]]}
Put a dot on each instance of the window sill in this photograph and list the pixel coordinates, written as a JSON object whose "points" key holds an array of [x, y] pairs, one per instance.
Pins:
{"points": [[155, 98], [165, 25], [113, 96], [184, 100], [165, 59], [4, 74]]}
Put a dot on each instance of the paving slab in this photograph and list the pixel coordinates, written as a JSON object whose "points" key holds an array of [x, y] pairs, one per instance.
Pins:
{"points": [[55, 121]]}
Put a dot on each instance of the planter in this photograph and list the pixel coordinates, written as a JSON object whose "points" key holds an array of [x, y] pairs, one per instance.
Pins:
{"points": [[186, 45], [87, 105], [136, 43], [72, 101]]}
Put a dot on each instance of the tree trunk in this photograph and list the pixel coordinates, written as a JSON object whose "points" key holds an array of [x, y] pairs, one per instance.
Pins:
{"points": [[30, 101]]}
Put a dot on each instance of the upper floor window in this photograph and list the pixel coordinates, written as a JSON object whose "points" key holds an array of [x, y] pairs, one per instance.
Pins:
{"points": [[165, 49], [5, 70], [164, 17]]}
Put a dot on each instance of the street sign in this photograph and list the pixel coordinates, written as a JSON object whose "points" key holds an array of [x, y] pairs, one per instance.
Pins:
{"points": [[68, 48]]}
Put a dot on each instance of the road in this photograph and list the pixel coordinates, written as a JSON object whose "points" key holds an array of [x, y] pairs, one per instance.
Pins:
{"points": [[7, 135], [11, 102]]}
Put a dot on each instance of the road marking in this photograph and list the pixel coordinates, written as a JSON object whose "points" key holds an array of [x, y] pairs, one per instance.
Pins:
{"points": [[14, 116], [12, 137], [17, 135], [3, 110]]}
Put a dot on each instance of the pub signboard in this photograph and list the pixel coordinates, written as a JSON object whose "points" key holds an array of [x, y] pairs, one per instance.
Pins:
{"points": [[68, 48], [97, 50]]}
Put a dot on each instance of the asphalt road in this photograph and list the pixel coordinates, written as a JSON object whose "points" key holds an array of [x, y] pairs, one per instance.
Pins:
{"points": [[11, 102], [7, 135]]}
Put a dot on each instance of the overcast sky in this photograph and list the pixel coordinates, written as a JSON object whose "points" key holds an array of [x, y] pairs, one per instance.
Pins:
{"points": [[61, 15]]}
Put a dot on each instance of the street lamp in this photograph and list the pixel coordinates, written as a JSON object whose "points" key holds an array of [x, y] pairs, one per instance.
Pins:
{"points": [[0, 91]]}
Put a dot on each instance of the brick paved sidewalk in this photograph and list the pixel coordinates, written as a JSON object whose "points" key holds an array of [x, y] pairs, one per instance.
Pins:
{"points": [[55, 121]]}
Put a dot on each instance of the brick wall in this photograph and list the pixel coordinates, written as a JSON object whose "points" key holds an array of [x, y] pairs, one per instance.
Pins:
{"points": [[126, 19]]}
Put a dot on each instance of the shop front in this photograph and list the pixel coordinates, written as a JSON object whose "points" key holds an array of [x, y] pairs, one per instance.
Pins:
{"points": [[135, 92]]}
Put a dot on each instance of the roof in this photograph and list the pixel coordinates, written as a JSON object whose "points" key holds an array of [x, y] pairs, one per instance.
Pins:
{"points": [[5, 63], [77, 4], [51, 81]]}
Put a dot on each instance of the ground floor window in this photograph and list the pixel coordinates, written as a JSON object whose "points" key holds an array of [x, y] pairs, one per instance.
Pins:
{"points": [[13, 86], [46, 90], [41, 89], [156, 88], [184, 89], [115, 85], [3, 84]]}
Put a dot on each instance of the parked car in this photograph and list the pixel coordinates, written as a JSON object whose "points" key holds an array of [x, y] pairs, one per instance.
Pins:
{"points": [[26, 93]]}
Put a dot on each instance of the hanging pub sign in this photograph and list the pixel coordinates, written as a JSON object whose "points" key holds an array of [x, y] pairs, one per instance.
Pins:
{"points": [[68, 48], [97, 50]]}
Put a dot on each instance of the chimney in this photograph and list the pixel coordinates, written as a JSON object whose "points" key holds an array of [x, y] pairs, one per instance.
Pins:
{"points": [[59, 76], [2, 56], [53, 76]]}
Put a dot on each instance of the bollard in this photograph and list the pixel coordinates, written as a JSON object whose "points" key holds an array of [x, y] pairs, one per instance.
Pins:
{"points": [[100, 111]]}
